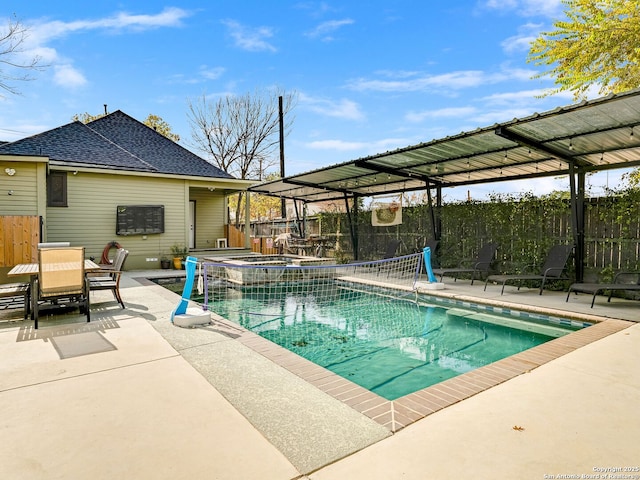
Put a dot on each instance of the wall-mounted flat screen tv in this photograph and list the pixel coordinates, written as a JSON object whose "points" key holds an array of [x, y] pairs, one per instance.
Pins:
{"points": [[139, 219]]}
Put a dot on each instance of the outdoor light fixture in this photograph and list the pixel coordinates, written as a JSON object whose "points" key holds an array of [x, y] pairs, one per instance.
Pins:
{"points": [[10, 171], [631, 134], [570, 145]]}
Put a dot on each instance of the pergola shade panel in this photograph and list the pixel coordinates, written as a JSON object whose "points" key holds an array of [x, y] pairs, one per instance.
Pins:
{"points": [[593, 135]]}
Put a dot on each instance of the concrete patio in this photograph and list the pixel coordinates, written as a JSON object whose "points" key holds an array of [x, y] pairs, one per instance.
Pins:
{"points": [[129, 395]]}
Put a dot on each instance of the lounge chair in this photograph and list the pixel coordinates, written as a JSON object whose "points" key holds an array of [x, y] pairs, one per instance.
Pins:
{"points": [[553, 269], [392, 247], [389, 253], [480, 266], [618, 284], [108, 278], [61, 279], [433, 245]]}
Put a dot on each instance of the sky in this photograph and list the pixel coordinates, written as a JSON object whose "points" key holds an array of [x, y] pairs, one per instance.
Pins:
{"points": [[369, 76]]}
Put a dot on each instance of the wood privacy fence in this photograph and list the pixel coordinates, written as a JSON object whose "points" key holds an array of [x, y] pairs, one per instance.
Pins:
{"points": [[19, 237], [524, 229], [264, 245]]}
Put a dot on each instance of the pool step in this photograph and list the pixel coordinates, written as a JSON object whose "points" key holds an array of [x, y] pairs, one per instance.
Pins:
{"points": [[529, 325]]}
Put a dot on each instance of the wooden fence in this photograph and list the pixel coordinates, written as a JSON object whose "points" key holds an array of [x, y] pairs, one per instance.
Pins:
{"points": [[19, 237], [263, 245]]}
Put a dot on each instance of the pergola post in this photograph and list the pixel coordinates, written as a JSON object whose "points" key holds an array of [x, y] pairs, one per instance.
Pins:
{"points": [[434, 229], [577, 188], [247, 221], [352, 218]]}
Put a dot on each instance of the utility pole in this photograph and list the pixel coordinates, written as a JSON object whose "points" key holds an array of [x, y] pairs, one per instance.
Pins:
{"points": [[283, 202]]}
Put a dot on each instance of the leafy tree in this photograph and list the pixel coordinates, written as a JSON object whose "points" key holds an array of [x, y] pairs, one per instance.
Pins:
{"points": [[598, 44], [240, 134], [86, 117], [11, 42], [153, 121], [263, 207], [162, 127]]}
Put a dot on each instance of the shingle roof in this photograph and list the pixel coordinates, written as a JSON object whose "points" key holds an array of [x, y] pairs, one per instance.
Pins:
{"points": [[115, 141], [156, 149]]}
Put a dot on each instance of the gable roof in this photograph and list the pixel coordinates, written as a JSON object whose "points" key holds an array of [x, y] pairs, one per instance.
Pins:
{"points": [[115, 141]]}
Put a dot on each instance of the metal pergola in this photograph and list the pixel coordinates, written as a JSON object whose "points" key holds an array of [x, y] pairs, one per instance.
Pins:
{"points": [[595, 135]]}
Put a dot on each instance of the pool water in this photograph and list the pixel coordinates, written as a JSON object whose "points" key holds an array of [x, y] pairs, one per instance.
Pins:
{"points": [[390, 346]]}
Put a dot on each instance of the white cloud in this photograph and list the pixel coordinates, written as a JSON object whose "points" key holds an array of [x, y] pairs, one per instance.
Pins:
{"points": [[251, 39], [453, 80], [522, 97], [68, 77], [455, 112], [326, 29], [501, 3], [489, 117], [17, 131], [41, 32], [344, 108], [407, 82], [368, 148], [211, 73], [521, 42], [339, 145], [527, 8]]}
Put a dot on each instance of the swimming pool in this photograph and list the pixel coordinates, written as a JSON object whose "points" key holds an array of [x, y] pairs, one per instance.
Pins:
{"points": [[391, 346], [390, 342]]}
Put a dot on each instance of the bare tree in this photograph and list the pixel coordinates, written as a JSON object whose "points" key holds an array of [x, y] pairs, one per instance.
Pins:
{"points": [[240, 134], [11, 59]]}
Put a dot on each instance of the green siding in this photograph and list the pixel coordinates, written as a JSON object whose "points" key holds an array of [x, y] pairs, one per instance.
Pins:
{"points": [[90, 218], [18, 193]]}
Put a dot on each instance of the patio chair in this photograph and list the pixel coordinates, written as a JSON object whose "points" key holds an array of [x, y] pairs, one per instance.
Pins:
{"points": [[13, 291], [480, 265], [553, 269], [108, 278], [620, 283], [61, 279]]}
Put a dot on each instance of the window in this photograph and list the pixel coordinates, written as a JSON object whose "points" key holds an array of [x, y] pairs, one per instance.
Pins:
{"points": [[57, 189], [139, 219]]}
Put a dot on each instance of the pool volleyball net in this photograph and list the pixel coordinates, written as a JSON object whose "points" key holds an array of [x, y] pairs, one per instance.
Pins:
{"points": [[255, 290]]}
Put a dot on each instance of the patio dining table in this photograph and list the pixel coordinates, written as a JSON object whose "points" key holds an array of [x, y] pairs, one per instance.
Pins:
{"points": [[32, 269]]}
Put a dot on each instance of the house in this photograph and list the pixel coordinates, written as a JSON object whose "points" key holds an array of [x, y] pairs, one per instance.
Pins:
{"points": [[115, 180]]}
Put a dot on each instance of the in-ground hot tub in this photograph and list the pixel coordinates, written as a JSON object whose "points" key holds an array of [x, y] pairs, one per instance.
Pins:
{"points": [[257, 259], [242, 269]]}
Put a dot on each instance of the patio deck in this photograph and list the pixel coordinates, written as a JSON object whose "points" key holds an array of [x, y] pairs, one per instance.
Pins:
{"points": [[130, 395]]}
